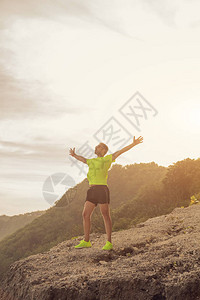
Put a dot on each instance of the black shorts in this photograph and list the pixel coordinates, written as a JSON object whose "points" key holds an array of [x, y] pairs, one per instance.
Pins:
{"points": [[98, 194]]}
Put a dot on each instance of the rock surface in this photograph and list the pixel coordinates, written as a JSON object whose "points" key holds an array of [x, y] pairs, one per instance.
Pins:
{"points": [[158, 259]]}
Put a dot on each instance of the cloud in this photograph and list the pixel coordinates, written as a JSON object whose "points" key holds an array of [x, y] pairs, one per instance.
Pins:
{"points": [[95, 12], [34, 150], [27, 98], [166, 10], [13, 101], [20, 99], [40, 149], [48, 9], [23, 177]]}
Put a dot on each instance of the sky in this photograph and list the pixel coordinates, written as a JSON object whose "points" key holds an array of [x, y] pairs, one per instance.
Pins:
{"points": [[76, 73]]}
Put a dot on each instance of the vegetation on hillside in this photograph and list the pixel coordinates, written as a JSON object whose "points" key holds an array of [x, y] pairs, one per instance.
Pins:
{"points": [[9, 224]]}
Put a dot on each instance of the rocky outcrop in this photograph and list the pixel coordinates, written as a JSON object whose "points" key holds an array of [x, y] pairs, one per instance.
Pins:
{"points": [[157, 259]]}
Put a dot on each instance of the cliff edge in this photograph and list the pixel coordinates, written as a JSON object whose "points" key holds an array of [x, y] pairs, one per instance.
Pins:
{"points": [[158, 259]]}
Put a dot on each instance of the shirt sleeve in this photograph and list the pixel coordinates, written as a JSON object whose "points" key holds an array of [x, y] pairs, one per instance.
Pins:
{"points": [[88, 160], [109, 157]]}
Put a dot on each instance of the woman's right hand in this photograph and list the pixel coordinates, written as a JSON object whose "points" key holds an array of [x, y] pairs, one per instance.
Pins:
{"points": [[72, 152]]}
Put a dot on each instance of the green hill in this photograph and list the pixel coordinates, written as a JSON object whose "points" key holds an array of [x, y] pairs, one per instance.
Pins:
{"points": [[9, 224]]}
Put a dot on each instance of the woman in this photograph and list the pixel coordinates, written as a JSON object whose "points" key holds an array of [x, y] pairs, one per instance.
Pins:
{"points": [[98, 192]]}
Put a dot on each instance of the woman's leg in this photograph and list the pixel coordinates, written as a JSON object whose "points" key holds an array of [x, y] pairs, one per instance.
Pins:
{"points": [[105, 211], [86, 214]]}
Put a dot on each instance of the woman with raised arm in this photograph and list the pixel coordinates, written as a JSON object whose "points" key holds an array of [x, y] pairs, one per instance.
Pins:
{"points": [[98, 192]]}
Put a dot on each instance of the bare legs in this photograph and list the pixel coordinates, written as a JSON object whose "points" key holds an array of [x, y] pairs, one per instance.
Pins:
{"points": [[87, 212]]}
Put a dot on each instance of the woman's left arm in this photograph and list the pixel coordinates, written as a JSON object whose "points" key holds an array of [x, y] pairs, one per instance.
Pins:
{"points": [[135, 142]]}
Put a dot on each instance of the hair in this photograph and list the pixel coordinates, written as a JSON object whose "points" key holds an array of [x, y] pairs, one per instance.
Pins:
{"points": [[105, 147]]}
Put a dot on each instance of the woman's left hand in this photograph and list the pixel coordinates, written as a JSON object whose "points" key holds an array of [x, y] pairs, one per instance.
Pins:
{"points": [[138, 140]]}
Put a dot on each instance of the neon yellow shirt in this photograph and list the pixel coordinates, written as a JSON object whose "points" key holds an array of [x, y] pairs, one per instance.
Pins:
{"points": [[98, 169]]}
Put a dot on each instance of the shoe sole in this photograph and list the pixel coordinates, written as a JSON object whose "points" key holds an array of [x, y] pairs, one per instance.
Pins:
{"points": [[106, 249], [81, 247]]}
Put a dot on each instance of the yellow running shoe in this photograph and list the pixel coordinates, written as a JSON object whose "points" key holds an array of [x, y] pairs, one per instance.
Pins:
{"points": [[83, 244], [108, 246]]}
